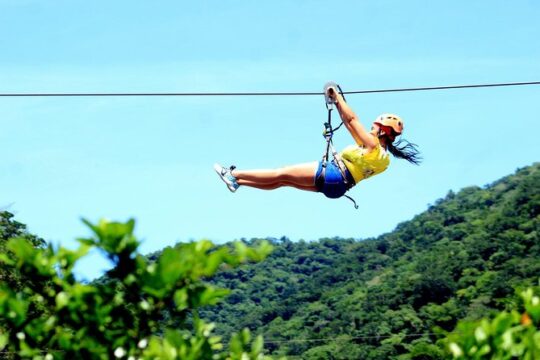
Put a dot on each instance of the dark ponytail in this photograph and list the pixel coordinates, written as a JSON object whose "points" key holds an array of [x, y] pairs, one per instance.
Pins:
{"points": [[403, 149]]}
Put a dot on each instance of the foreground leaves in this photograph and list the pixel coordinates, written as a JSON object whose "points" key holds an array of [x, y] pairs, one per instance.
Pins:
{"points": [[510, 335], [128, 315]]}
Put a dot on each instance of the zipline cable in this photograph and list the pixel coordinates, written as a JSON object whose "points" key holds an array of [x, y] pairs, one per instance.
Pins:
{"points": [[429, 88]]}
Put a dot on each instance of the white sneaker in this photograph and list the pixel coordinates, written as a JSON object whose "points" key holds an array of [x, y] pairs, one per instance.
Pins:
{"points": [[227, 177]]}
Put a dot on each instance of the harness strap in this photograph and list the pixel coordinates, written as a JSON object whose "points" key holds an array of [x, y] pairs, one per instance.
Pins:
{"points": [[354, 202], [328, 133]]}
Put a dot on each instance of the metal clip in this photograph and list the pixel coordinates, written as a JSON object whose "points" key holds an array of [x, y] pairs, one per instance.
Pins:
{"points": [[327, 132]]}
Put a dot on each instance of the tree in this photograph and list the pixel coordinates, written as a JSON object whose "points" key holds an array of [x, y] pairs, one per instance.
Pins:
{"points": [[59, 317], [511, 334], [9, 228]]}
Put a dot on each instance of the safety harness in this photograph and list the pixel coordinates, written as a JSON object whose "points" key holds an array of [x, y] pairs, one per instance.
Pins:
{"points": [[327, 134]]}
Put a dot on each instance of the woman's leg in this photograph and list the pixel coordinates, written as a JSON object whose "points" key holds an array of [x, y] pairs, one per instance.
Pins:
{"points": [[278, 185], [301, 176]]}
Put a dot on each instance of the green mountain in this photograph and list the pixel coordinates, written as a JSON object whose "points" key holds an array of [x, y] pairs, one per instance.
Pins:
{"points": [[391, 297], [395, 295]]}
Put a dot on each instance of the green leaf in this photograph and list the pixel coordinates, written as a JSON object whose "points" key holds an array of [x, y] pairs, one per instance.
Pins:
{"points": [[6, 259], [68, 258], [241, 250], [214, 260], [86, 241], [174, 337], [17, 309], [211, 295], [257, 346], [3, 341], [236, 345], [181, 299], [22, 248], [170, 266], [114, 237], [62, 299]]}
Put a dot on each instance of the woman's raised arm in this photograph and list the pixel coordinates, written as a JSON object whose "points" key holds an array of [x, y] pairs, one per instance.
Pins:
{"points": [[349, 118]]}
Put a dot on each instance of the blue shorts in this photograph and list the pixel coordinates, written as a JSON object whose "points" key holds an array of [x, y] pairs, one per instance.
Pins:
{"points": [[334, 185]]}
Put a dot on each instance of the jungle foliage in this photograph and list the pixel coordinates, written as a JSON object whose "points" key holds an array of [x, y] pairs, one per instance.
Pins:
{"points": [[513, 334], [459, 280], [54, 316], [397, 295]]}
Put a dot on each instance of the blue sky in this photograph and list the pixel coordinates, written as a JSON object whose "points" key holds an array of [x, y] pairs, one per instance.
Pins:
{"points": [[151, 158]]}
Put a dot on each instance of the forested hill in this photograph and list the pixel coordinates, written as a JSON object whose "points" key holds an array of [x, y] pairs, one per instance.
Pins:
{"points": [[391, 297], [385, 297]]}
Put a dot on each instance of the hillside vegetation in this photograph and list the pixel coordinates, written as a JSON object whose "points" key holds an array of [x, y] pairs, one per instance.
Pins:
{"points": [[457, 281], [395, 295]]}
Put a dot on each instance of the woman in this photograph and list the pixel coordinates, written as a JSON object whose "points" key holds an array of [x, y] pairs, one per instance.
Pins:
{"points": [[368, 157]]}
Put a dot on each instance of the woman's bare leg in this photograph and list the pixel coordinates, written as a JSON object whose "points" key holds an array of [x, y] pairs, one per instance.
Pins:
{"points": [[277, 185], [301, 176]]}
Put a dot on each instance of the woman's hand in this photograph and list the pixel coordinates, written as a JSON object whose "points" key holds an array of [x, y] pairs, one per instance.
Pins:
{"points": [[333, 94]]}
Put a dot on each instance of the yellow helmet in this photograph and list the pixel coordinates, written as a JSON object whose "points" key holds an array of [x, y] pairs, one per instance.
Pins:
{"points": [[390, 121]]}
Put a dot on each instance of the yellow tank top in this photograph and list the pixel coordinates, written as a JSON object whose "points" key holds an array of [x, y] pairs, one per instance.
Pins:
{"points": [[362, 163]]}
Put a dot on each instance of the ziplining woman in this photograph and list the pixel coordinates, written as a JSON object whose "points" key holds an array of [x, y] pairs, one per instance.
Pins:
{"points": [[367, 157]]}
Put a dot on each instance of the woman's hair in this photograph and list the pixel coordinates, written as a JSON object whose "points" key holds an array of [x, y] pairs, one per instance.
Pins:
{"points": [[403, 149]]}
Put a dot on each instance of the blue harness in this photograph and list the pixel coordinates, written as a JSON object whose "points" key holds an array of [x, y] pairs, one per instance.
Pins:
{"points": [[333, 185]]}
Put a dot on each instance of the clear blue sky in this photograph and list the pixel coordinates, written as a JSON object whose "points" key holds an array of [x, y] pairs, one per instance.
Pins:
{"points": [[151, 158]]}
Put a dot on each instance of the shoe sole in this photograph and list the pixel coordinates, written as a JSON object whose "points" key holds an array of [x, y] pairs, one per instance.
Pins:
{"points": [[218, 169]]}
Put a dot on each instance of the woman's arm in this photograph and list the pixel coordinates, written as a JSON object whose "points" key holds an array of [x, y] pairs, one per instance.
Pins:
{"points": [[349, 118]]}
